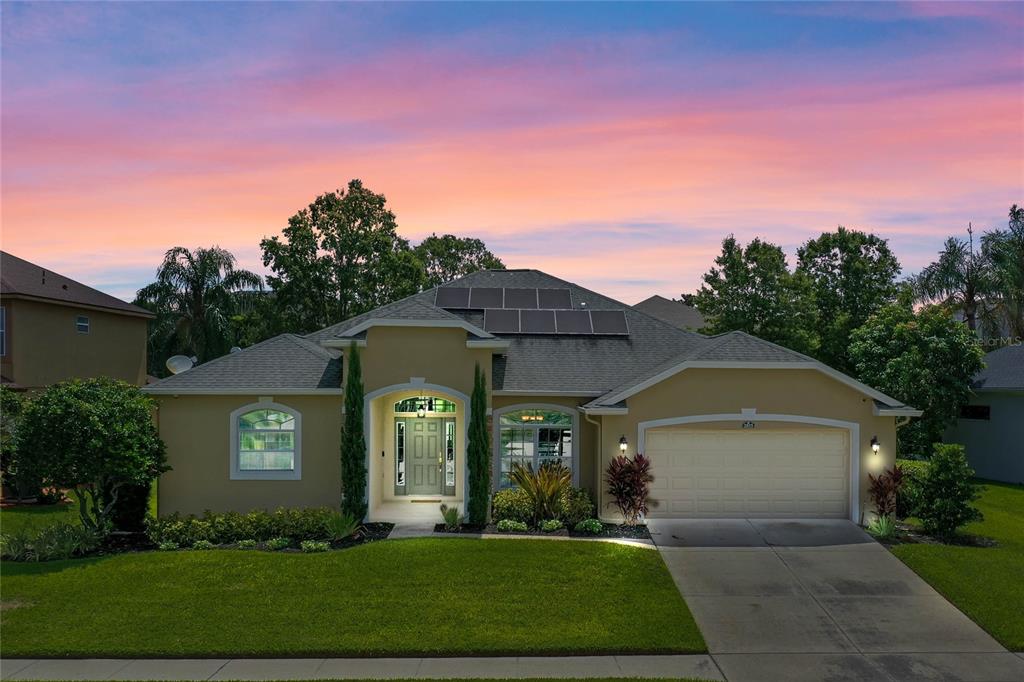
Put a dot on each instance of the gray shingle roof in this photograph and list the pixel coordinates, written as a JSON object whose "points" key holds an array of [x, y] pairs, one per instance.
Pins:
{"points": [[675, 313], [18, 277], [1004, 370], [282, 362]]}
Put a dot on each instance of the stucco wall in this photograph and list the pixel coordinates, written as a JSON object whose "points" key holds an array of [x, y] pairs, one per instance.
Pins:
{"points": [[995, 448], [769, 391], [44, 346], [197, 432]]}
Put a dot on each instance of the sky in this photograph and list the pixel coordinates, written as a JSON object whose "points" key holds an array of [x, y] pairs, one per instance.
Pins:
{"points": [[614, 145]]}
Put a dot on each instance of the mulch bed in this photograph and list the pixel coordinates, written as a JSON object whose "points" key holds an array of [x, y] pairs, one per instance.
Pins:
{"points": [[611, 530], [914, 535]]}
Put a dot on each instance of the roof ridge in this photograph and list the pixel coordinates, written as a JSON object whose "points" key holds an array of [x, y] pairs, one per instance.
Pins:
{"points": [[311, 347], [363, 314], [216, 360]]}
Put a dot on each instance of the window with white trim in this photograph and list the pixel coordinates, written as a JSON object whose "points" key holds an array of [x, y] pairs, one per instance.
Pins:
{"points": [[265, 442], [534, 437], [82, 324]]}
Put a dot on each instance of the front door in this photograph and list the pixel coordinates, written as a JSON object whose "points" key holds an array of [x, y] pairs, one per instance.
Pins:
{"points": [[425, 437]]}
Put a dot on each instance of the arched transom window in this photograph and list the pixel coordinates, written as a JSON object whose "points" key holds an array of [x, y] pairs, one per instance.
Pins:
{"points": [[534, 436], [265, 442]]}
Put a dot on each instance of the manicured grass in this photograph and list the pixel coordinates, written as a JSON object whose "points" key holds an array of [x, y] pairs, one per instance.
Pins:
{"points": [[33, 516], [410, 597], [986, 583]]}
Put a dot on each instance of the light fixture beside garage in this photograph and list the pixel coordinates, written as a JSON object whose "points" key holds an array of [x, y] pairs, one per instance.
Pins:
{"points": [[623, 444], [875, 445]]}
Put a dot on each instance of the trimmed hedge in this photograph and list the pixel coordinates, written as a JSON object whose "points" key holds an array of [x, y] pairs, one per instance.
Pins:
{"points": [[231, 527], [512, 504], [909, 496]]}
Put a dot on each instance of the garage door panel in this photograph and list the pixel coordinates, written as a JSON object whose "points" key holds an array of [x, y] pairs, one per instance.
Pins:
{"points": [[728, 473]]}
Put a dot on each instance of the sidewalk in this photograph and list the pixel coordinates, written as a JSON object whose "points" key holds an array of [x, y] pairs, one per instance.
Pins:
{"points": [[696, 666]]}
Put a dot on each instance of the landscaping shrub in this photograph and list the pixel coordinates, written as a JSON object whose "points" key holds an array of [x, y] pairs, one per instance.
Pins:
{"points": [[16, 546], [168, 546], [552, 525], [629, 485], [452, 517], [884, 490], [543, 487], [909, 495], [512, 503], [278, 543], [591, 526], [883, 528], [130, 507], [313, 546], [203, 544], [508, 526], [230, 527], [947, 492], [353, 441], [55, 541], [341, 526], [574, 505], [247, 544], [478, 450]]}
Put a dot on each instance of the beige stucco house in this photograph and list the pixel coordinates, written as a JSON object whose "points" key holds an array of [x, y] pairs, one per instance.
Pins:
{"points": [[735, 426], [54, 328]]}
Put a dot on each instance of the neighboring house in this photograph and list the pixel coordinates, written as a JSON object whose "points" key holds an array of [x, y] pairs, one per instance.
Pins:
{"points": [[675, 313], [991, 425], [735, 426], [54, 328]]}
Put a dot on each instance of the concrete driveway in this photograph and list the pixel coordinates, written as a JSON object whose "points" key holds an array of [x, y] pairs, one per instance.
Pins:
{"points": [[820, 600]]}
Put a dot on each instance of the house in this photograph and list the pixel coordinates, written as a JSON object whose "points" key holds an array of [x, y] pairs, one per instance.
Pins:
{"points": [[734, 426], [675, 313], [54, 328], [991, 425]]}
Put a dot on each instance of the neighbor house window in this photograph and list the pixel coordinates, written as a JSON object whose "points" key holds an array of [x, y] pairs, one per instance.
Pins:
{"points": [[976, 412], [265, 442], [533, 437], [3, 331], [82, 324]]}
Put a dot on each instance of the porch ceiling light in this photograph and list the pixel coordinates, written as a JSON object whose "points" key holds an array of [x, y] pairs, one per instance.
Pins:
{"points": [[623, 444], [875, 445], [421, 410]]}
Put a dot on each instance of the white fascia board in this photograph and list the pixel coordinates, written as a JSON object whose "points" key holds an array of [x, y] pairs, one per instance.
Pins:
{"points": [[715, 364], [242, 391], [488, 343], [343, 343], [604, 410], [390, 322]]}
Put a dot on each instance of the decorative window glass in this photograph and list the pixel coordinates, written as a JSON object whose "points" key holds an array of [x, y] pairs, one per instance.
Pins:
{"points": [[82, 324], [266, 441], [428, 403], [534, 437], [449, 454], [399, 453]]}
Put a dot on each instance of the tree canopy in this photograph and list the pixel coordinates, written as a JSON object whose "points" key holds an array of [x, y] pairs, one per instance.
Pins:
{"points": [[1004, 251], [449, 257]]}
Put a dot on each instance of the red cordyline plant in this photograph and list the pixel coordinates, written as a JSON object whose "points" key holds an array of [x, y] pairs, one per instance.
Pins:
{"points": [[884, 490], [629, 484]]}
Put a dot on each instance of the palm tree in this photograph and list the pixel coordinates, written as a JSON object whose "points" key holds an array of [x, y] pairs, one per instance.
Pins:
{"points": [[961, 278], [194, 296], [1004, 249]]}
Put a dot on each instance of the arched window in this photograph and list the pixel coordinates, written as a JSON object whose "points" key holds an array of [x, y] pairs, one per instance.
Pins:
{"points": [[265, 442], [425, 403], [534, 436]]}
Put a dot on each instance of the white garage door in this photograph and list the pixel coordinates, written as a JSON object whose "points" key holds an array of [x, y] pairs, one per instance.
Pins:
{"points": [[799, 473]]}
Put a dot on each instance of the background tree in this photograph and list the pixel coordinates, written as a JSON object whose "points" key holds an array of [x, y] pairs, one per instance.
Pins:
{"points": [[353, 441], [479, 451], [193, 298], [1004, 251], [93, 437], [926, 359], [961, 279], [752, 290], [449, 257], [853, 275], [339, 257], [12, 407]]}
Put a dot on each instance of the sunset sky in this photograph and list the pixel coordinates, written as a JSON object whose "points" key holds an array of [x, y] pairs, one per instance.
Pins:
{"points": [[612, 145]]}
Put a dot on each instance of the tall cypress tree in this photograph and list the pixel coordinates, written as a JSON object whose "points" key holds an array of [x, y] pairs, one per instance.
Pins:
{"points": [[353, 442], [479, 451]]}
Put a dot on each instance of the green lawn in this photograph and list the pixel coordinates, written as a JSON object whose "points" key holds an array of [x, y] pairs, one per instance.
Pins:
{"points": [[986, 583], [33, 516], [447, 596]]}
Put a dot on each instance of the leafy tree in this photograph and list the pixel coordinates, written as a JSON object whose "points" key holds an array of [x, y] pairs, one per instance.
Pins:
{"points": [[339, 257], [19, 479], [193, 298], [479, 451], [960, 279], [449, 257], [947, 491], [1004, 251], [94, 437], [926, 359], [353, 442], [752, 290], [853, 275]]}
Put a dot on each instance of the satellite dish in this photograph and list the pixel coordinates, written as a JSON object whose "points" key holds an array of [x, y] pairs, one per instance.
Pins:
{"points": [[235, 349], [180, 363]]}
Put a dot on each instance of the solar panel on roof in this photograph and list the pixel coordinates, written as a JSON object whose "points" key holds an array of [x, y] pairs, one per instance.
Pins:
{"points": [[609, 321], [486, 297], [452, 297], [552, 299], [537, 321], [520, 298], [573, 322], [499, 321]]}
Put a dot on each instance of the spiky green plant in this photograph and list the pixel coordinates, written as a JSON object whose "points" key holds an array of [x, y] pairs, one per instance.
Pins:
{"points": [[544, 487]]}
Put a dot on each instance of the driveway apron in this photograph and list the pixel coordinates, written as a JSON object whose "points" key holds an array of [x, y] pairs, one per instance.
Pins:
{"points": [[795, 600]]}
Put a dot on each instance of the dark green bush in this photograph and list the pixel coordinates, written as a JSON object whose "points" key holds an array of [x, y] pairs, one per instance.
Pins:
{"points": [[909, 495], [129, 512], [513, 504], [552, 525], [575, 506], [508, 525], [321, 524], [591, 526], [947, 492], [55, 541]]}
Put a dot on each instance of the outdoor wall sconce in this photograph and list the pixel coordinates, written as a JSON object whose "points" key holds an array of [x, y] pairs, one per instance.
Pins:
{"points": [[421, 410], [623, 444], [875, 445]]}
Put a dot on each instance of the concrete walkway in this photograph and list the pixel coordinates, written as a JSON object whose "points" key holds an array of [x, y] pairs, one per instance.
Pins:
{"points": [[815, 600]]}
